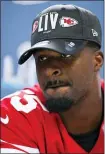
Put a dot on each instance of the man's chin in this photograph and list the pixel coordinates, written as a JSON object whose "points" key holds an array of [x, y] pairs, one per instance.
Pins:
{"points": [[58, 105]]}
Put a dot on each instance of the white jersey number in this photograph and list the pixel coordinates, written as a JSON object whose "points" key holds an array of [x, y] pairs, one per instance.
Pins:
{"points": [[31, 102], [29, 106]]}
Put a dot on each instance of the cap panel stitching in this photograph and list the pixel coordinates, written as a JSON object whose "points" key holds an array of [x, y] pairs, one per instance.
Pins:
{"points": [[80, 18]]}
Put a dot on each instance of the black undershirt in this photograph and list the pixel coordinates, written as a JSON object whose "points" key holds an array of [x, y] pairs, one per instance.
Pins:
{"points": [[88, 140]]}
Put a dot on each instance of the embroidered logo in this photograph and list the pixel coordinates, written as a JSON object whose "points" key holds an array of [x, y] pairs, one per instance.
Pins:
{"points": [[67, 22]]}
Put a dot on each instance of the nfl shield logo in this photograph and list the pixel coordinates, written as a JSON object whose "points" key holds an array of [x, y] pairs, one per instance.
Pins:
{"points": [[35, 26]]}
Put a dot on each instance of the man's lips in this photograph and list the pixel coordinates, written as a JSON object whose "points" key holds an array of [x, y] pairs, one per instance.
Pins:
{"points": [[56, 86], [61, 90]]}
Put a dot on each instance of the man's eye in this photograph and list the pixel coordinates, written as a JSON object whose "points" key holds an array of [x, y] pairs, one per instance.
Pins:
{"points": [[42, 58], [65, 56]]}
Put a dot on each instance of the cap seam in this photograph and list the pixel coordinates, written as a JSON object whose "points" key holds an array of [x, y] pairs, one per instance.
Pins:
{"points": [[80, 18]]}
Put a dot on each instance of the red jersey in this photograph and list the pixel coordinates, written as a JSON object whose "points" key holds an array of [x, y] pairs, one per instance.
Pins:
{"points": [[28, 127]]}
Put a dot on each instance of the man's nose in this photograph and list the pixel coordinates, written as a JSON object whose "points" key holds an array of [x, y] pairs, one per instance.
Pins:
{"points": [[53, 72]]}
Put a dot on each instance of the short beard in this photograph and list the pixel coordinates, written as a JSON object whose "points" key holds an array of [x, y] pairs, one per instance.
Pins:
{"points": [[58, 105]]}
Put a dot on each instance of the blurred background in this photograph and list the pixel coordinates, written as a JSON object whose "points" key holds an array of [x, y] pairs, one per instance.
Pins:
{"points": [[16, 23]]}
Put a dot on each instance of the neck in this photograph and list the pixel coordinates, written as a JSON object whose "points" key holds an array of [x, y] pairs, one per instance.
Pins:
{"points": [[86, 115]]}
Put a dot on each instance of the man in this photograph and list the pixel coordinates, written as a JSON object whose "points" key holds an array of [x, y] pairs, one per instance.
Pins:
{"points": [[65, 113]]}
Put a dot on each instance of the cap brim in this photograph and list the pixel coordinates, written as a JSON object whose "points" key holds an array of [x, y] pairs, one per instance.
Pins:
{"points": [[63, 46]]}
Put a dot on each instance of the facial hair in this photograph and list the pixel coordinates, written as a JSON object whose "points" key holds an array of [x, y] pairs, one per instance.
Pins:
{"points": [[58, 105]]}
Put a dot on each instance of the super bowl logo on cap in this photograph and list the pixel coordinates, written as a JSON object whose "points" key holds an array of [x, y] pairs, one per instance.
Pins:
{"points": [[44, 21], [67, 22], [35, 26]]}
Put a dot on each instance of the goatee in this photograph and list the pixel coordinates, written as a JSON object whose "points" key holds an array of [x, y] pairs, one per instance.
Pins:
{"points": [[58, 105]]}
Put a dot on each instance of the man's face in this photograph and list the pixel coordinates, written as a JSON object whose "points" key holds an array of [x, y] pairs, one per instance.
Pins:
{"points": [[64, 79]]}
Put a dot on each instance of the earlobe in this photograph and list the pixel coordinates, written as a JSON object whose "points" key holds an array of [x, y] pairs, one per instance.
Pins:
{"points": [[98, 60]]}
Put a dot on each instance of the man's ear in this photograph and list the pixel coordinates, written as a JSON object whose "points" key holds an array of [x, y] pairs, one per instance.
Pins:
{"points": [[98, 60]]}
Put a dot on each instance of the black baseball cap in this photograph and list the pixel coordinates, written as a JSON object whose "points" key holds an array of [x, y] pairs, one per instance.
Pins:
{"points": [[64, 29]]}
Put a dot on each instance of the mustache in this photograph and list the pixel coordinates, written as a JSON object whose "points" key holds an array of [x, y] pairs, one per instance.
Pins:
{"points": [[57, 83]]}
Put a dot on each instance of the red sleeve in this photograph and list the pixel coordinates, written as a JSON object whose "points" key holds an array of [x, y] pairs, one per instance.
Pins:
{"points": [[16, 132]]}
